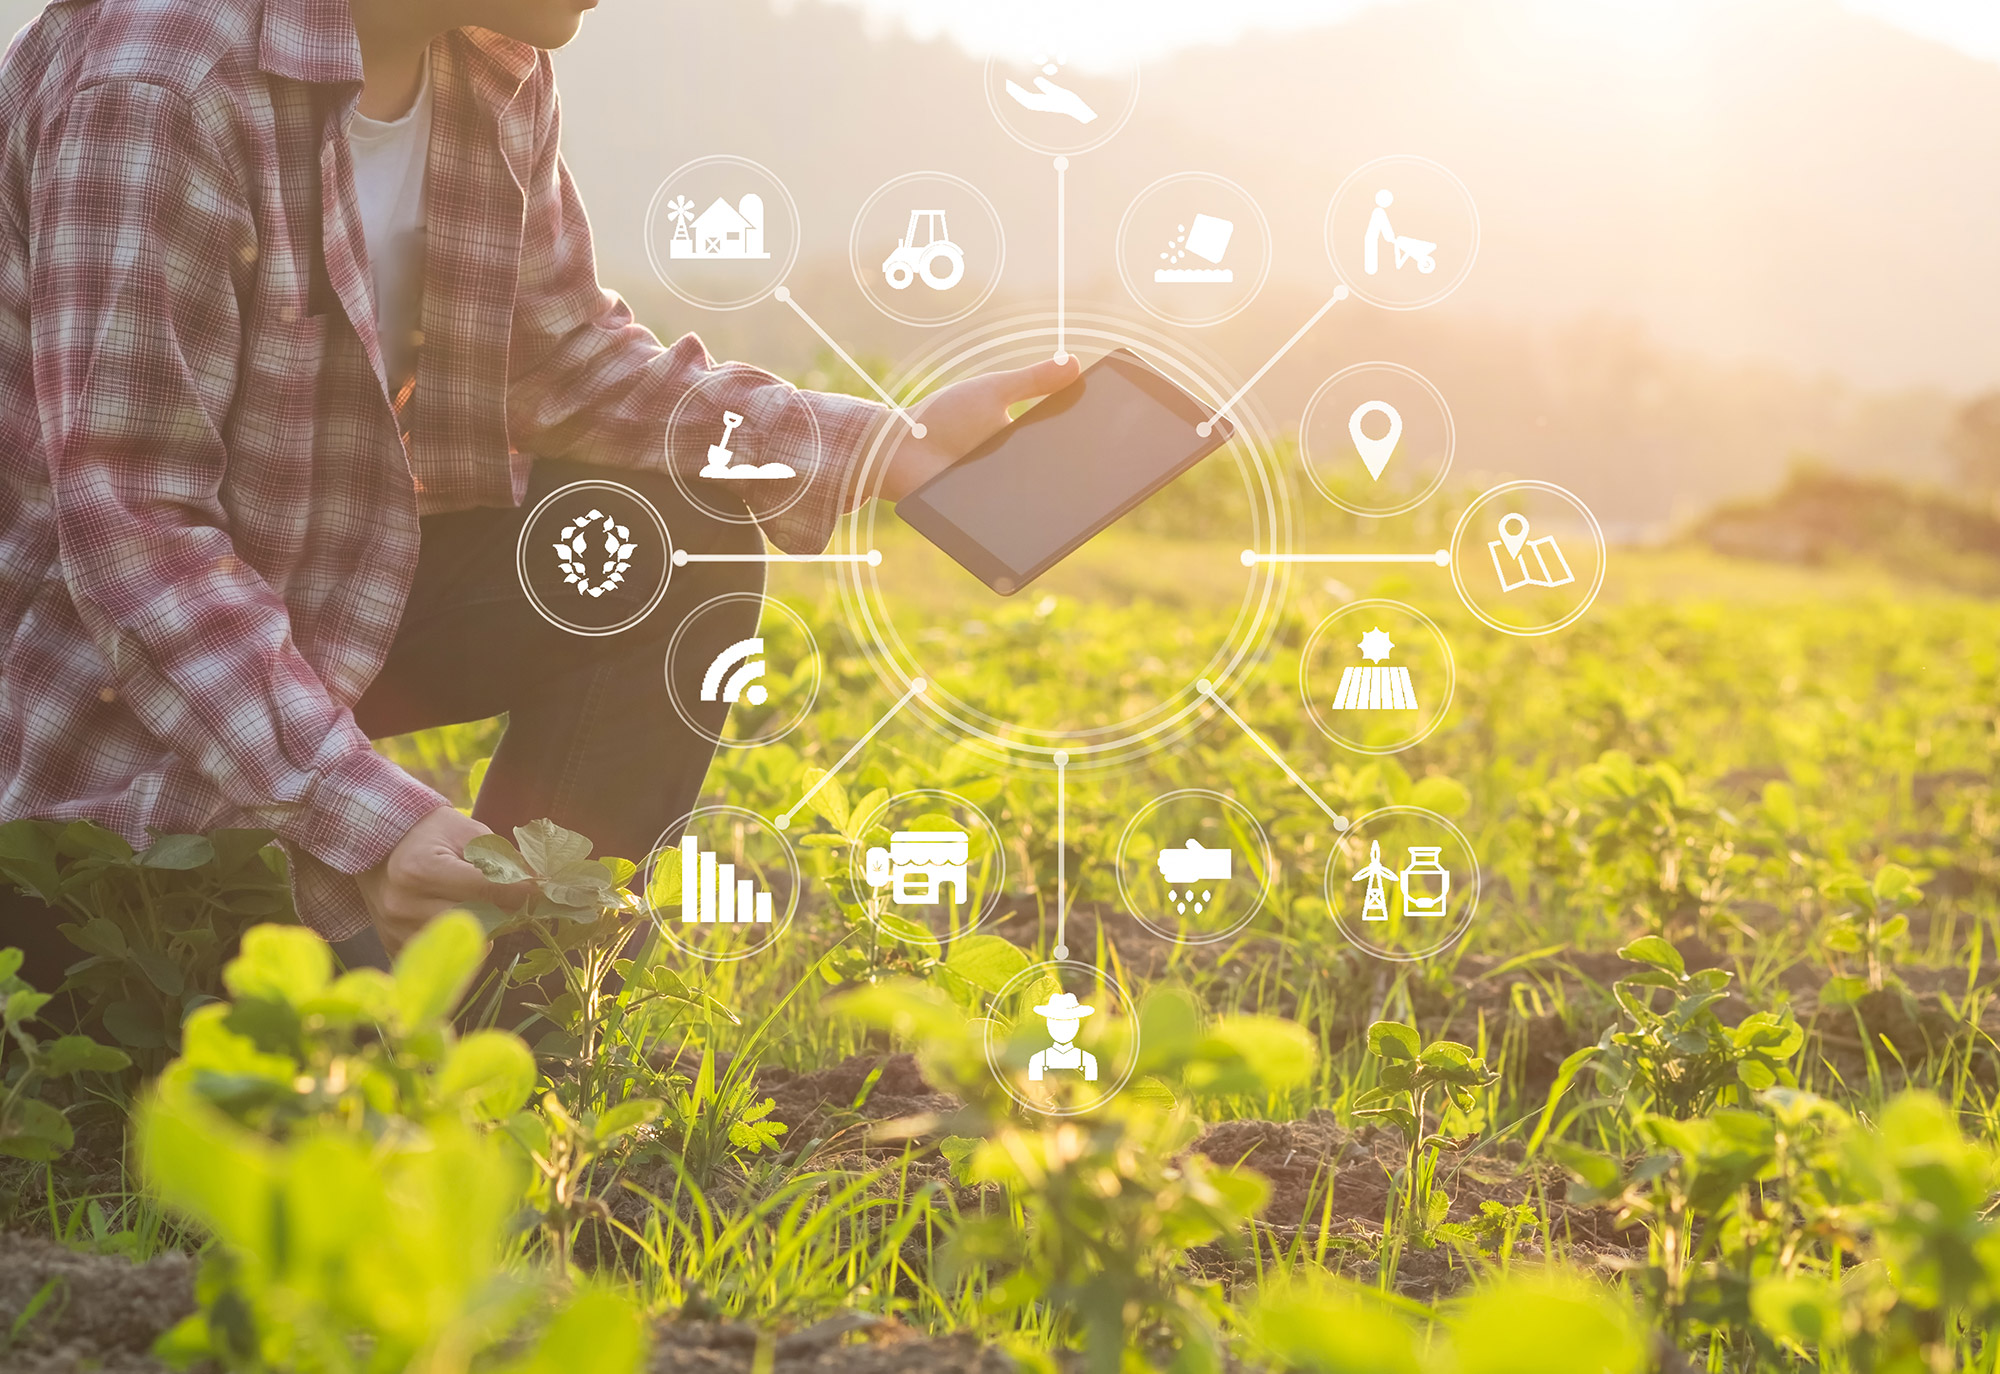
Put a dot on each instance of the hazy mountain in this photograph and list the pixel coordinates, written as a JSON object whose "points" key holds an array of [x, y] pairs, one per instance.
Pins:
{"points": [[1739, 233], [1714, 235]]}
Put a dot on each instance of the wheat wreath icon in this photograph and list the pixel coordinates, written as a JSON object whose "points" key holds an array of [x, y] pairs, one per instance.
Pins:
{"points": [[572, 548]]}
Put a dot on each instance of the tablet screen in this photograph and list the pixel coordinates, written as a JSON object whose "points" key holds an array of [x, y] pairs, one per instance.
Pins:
{"points": [[1063, 471]]}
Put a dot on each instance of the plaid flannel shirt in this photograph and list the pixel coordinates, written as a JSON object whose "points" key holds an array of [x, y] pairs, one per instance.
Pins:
{"points": [[209, 501]]}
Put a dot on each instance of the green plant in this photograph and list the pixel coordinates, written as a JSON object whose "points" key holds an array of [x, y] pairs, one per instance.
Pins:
{"points": [[1101, 1210], [1681, 1059], [30, 1126], [1407, 1074], [1873, 929], [336, 1138], [155, 926], [1547, 1323], [611, 1024]]}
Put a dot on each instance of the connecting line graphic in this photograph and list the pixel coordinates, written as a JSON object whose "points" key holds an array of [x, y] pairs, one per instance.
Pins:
{"points": [[873, 558], [1207, 427], [1251, 558], [1061, 950], [1207, 689], [1062, 266], [784, 293], [917, 688]]}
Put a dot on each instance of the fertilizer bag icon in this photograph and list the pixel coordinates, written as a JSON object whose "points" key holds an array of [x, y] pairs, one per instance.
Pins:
{"points": [[920, 864], [1191, 867]]}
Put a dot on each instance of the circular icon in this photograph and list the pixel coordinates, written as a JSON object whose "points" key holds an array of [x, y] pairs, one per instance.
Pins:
{"points": [[930, 859], [594, 558], [1194, 866], [722, 884], [927, 248], [1062, 1037], [1377, 676], [920, 616], [1542, 560], [1194, 249], [1402, 232], [722, 232], [729, 445], [1402, 883], [747, 660], [1377, 439], [1050, 104]]}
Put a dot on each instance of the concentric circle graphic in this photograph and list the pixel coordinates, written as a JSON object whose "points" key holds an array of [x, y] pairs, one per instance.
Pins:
{"points": [[722, 232], [1197, 868], [790, 702], [1402, 232], [602, 556], [1528, 558], [1402, 884], [927, 861], [1076, 1084], [728, 903], [1152, 720], [927, 249], [1377, 439], [700, 424], [1051, 106], [1402, 677], [1194, 249]]}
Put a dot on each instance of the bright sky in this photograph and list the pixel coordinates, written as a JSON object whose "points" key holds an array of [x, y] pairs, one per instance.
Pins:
{"points": [[1150, 28]]}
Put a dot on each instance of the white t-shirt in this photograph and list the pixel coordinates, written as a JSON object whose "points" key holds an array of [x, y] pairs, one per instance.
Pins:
{"points": [[389, 162]]}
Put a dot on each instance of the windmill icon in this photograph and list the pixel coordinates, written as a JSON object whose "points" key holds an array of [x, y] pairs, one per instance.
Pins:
{"points": [[1376, 906], [681, 211]]}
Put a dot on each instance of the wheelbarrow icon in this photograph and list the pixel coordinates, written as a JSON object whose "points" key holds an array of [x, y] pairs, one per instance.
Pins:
{"points": [[919, 865]]}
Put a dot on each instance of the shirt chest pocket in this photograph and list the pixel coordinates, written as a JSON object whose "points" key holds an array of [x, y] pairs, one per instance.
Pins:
{"points": [[280, 382]]}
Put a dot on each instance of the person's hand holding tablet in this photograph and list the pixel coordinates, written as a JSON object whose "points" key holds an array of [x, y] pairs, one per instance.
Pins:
{"points": [[961, 417], [1026, 495]]}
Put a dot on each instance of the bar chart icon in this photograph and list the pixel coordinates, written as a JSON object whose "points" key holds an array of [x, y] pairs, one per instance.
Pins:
{"points": [[712, 894]]}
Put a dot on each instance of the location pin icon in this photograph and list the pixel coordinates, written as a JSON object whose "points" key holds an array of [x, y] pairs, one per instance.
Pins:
{"points": [[1375, 453], [1513, 532]]}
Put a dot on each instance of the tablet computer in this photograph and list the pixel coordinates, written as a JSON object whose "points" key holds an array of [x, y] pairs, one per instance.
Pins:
{"points": [[1076, 462]]}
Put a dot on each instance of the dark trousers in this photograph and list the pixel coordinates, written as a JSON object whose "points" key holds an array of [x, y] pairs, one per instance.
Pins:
{"points": [[593, 742]]}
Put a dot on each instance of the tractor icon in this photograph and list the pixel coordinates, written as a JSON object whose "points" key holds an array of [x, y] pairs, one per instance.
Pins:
{"points": [[934, 257]]}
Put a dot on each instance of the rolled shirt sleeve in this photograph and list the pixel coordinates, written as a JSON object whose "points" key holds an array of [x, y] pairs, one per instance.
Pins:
{"points": [[592, 384]]}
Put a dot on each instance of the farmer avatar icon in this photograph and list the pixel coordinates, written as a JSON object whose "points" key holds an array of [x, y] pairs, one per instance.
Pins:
{"points": [[1065, 1017]]}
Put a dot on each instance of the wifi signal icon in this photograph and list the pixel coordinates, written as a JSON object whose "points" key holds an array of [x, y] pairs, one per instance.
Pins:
{"points": [[746, 658]]}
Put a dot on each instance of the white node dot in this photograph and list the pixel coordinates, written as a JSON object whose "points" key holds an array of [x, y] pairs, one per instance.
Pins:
{"points": [[1062, 758], [874, 558], [1062, 164], [1249, 558], [783, 293], [1443, 558], [757, 696], [918, 431], [1205, 687], [1340, 293], [1204, 429], [1340, 824], [1061, 357], [1060, 951], [919, 686], [783, 820], [680, 558]]}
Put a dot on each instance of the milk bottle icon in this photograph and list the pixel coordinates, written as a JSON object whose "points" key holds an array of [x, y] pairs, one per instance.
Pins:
{"points": [[1426, 883]]}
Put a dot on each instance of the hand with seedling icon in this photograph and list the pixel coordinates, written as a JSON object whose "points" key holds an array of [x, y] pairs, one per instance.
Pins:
{"points": [[1065, 1017]]}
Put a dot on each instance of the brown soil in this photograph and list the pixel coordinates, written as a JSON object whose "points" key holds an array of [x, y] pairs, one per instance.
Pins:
{"points": [[839, 1345], [101, 1313], [1296, 1157]]}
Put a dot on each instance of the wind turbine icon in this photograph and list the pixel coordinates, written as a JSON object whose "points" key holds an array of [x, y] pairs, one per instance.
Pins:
{"points": [[1375, 907]]}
